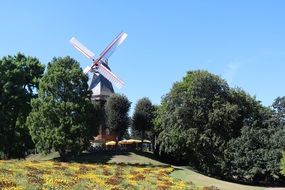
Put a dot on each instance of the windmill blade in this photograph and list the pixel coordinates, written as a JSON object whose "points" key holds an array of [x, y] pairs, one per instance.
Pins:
{"points": [[80, 47], [110, 76], [111, 48], [97, 63], [86, 70]]}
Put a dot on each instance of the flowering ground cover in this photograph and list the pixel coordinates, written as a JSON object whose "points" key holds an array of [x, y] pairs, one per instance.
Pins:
{"points": [[35, 175]]}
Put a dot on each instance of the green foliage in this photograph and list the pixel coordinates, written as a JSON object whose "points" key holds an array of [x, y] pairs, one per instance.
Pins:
{"points": [[19, 76], [193, 120], [96, 117], [282, 167], [117, 108], [62, 116], [201, 121], [255, 155], [143, 116], [279, 109]]}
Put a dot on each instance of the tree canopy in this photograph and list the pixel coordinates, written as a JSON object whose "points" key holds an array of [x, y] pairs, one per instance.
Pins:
{"points": [[219, 130], [279, 109], [19, 78], [117, 119], [143, 116], [61, 116], [192, 119]]}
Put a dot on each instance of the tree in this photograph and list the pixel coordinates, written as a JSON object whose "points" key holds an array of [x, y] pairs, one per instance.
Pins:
{"points": [[194, 119], [282, 167], [221, 130], [117, 119], [255, 154], [96, 118], [199, 116], [19, 77], [279, 109], [143, 117], [61, 118]]}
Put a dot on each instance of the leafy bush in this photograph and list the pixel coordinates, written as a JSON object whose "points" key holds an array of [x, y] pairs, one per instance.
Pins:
{"points": [[282, 167]]}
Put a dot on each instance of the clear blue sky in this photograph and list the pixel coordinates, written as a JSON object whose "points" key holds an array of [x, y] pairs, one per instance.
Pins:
{"points": [[242, 41]]}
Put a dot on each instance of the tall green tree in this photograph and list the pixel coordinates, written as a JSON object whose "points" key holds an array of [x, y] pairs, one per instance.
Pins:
{"points": [[255, 154], [19, 78], [61, 118], [199, 116], [143, 117], [193, 120], [117, 118], [282, 167], [279, 109]]}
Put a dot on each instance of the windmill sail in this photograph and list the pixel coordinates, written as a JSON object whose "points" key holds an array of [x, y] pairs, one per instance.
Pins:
{"points": [[110, 76], [111, 48], [98, 63], [80, 47], [86, 70]]}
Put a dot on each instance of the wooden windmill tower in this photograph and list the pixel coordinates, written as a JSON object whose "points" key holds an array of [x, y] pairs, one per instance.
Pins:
{"points": [[101, 87], [101, 76]]}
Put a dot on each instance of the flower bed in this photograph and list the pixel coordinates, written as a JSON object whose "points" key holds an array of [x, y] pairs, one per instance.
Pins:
{"points": [[18, 175]]}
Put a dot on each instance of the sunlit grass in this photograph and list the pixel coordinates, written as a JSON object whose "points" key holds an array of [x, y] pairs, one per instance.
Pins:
{"points": [[16, 175]]}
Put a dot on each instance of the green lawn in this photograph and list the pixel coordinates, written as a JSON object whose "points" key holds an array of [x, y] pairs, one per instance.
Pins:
{"points": [[106, 157], [202, 180]]}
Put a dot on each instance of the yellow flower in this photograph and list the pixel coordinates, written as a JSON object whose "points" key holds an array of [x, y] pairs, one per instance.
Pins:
{"points": [[179, 185], [132, 182], [14, 188]]}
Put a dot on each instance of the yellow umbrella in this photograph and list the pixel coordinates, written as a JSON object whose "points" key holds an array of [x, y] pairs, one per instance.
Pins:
{"points": [[124, 142], [111, 143], [134, 141], [146, 141]]}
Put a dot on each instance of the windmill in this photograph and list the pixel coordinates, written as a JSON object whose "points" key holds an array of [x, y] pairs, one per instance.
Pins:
{"points": [[102, 77]]}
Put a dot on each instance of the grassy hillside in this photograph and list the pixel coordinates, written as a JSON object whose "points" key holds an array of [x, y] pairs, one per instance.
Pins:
{"points": [[103, 168], [201, 180], [105, 158]]}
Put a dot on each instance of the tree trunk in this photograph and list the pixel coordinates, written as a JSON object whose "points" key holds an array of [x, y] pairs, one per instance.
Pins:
{"points": [[153, 143], [117, 143], [142, 140], [62, 154]]}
